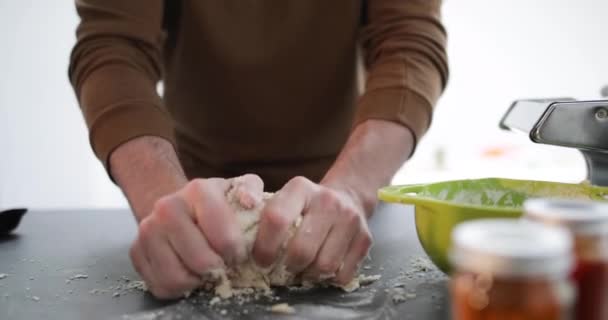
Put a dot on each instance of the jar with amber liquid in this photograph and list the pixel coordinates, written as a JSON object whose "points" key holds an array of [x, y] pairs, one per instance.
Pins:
{"points": [[508, 269], [588, 223]]}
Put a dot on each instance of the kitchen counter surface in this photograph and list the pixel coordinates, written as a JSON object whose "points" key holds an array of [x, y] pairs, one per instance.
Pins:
{"points": [[75, 265]]}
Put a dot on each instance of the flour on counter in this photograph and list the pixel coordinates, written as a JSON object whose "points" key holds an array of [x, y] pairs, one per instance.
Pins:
{"points": [[282, 308]]}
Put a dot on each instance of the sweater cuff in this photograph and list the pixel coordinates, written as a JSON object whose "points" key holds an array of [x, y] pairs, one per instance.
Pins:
{"points": [[402, 106], [124, 122]]}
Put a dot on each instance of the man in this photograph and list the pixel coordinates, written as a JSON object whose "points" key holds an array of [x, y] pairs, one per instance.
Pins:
{"points": [[266, 90]]}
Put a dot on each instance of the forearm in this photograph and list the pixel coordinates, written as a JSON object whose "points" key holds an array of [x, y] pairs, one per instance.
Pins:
{"points": [[375, 150], [146, 168]]}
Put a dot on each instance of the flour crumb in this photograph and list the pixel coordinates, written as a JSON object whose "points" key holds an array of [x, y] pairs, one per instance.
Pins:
{"points": [[137, 285], [116, 295], [223, 312], [398, 298], [399, 295], [282, 308], [215, 301], [78, 277], [3, 276], [365, 279]]}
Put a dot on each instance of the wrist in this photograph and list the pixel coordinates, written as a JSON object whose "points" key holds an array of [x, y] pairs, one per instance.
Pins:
{"points": [[146, 169], [375, 150], [363, 199]]}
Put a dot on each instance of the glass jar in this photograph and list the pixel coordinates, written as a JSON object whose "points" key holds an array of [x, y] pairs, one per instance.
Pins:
{"points": [[510, 269], [588, 223]]}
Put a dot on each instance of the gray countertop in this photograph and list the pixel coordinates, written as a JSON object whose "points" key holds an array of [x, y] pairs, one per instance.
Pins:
{"points": [[52, 247]]}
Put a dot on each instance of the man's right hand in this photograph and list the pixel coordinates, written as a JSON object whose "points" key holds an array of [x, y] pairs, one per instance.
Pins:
{"points": [[186, 229], [190, 233]]}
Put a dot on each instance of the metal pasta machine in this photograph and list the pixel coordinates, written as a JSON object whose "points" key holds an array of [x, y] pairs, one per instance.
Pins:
{"points": [[566, 122]]}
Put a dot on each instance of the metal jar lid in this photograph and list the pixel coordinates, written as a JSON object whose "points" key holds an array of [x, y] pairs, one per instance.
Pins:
{"points": [[512, 248], [579, 216]]}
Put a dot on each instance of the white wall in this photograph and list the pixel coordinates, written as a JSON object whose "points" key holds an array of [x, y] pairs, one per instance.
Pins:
{"points": [[45, 158], [499, 51]]}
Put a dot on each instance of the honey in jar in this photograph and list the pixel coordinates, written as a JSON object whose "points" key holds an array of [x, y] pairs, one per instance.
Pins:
{"points": [[510, 269]]}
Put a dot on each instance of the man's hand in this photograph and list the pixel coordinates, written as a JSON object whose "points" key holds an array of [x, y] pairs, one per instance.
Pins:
{"points": [[190, 233], [332, 238]]}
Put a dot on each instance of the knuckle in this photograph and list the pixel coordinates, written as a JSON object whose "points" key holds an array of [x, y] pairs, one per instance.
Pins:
{"points": [[326, 266], [301, 253], [351, 216], [300, 182], [162, 204], [227, 246], [165, 210], [200, 263], [275, 219], [146, 228], [328, 198], [252, 177], [366, 242], [195, 187]]}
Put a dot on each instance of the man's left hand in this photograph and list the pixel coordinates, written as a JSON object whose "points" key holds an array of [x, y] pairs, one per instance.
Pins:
{"points": [[331, 241]]}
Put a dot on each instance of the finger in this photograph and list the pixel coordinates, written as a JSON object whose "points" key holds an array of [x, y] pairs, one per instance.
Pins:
{"points": [[278, 216], [334, 249], [357, 251], [216, 218], [249, 190], [169, 276], [189, 243], [141, 264], [310, 235]]}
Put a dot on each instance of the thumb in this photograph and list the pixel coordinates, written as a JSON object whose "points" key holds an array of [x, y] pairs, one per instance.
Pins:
{"points": [[248, 190]]}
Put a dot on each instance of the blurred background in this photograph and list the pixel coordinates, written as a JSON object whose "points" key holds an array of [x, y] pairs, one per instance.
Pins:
{"points": [[499, 51]]}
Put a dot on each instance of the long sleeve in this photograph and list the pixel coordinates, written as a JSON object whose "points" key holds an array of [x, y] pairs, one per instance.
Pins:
{"points": [[114, 69], [404, 44]]}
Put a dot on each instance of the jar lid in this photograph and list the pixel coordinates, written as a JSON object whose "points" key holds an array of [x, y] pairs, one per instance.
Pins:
{"points": [[579, 216], [510, 247]]}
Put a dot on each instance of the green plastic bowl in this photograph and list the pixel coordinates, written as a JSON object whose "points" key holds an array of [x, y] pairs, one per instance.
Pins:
{"points": [[439, 207]]}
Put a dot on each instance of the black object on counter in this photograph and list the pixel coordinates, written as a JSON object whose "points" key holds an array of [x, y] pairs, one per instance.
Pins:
{"points": [[9, 220], [75, 265]]}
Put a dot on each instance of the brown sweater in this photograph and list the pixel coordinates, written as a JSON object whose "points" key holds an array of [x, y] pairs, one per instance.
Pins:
{"points": [[262, 86]]}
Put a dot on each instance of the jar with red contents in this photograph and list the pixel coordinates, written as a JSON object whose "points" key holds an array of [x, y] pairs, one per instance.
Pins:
{"points": [[510, 269], [588, 223]]}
